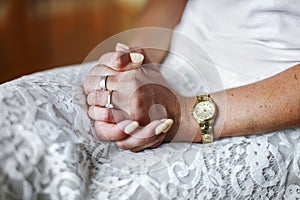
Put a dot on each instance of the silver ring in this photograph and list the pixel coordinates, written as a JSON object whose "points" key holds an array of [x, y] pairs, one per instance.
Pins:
{"points": [[109, 105], [103, 83]]}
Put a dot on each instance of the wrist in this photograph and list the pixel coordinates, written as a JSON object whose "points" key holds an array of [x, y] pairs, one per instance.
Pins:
{"points": [[192, 130], [204, 113], [219, 99], [193, 123]]}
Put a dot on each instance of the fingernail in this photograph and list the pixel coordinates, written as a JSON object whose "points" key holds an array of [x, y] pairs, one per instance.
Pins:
{"points": [[122, 46], [131, 127], [90, 98], [164, 127], [136, 58]]}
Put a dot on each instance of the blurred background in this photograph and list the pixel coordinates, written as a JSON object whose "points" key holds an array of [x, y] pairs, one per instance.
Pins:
{"points": [[40, 34]]}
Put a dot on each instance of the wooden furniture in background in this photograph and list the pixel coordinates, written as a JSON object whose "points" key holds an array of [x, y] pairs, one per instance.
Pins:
{"points": [[37, 35]]}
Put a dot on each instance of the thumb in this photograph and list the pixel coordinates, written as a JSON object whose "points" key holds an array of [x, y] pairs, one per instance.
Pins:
{"points": [[128, 61], [128, 58], [121, 61], [136, 58]]}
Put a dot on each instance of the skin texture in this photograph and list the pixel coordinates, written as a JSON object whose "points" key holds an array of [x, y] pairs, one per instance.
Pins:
{"points": [[269, 105], [139, 94]]}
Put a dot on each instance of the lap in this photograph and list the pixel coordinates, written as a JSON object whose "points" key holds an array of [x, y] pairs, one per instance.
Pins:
{"points": [[47, 147]]}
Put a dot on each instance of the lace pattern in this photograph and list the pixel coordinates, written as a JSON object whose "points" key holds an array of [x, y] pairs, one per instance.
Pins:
{"points": [[48, 150]]}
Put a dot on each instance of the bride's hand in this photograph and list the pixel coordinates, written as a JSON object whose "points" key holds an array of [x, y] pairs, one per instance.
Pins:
{"points": [[140, 96]]}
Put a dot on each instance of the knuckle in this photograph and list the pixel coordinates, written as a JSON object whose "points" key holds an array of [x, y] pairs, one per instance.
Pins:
{"points": [[91, 112], [86, 86], [98, 69], [137, 101], [95, 69], [89, 84]]}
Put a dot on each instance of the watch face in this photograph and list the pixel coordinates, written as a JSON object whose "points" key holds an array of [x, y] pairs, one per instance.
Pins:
{"points": [[204, 110]]}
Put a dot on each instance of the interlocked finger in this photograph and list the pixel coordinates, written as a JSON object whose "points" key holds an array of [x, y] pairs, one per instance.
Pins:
{"points": [[152, 144], [102, 70], [146, 137], [142, 136], [97, 98], [107, 115], [111, 132], [115, 60], [95, 82]]}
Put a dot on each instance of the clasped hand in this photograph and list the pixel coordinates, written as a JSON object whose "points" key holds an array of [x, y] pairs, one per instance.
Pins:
{"points": [[144, 111]]}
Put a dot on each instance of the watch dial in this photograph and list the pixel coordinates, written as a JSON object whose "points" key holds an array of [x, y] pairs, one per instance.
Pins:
{"points": [[204, 110]]}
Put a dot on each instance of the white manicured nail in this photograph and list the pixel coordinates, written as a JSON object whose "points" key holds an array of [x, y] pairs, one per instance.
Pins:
{"points": [[123, 46], [136, 58], [131, 127], [164, 127]]}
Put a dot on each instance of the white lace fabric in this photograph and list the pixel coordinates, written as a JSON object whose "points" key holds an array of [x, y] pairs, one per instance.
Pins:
{"points": [[48, 151]]}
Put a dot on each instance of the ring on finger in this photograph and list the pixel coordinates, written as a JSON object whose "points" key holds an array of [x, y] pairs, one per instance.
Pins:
{"points": [[109, 105], [102, 83]]}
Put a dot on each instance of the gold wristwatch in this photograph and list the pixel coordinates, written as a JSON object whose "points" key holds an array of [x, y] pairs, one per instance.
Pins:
{"points": [[204, 112]]}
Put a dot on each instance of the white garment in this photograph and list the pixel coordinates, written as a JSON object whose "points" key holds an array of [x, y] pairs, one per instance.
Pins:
{"points": [[254, 39], [47, 150]]}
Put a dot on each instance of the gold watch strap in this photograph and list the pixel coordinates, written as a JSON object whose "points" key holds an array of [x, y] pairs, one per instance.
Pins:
{"points": [[203, 97], [207, 132]]}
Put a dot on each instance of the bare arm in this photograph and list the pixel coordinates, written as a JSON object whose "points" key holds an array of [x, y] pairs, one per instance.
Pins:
{"points": [[265, 106], [160, 14]]}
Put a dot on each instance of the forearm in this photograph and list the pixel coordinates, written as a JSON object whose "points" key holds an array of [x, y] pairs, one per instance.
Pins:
{"points": [[161, 14], [269, 105]]}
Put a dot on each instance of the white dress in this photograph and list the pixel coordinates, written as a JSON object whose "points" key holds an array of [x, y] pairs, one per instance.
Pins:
{"points": [[47, 144], [248, 40]]}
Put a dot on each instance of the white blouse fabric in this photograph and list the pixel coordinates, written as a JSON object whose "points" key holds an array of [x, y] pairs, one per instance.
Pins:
{"points": [[248, 40]]}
